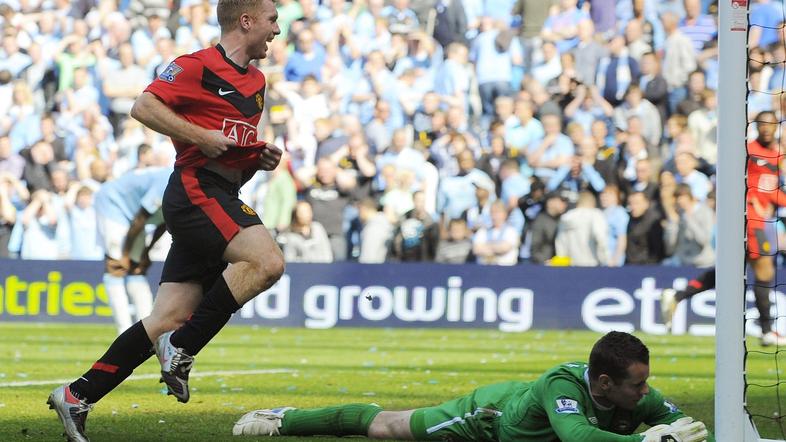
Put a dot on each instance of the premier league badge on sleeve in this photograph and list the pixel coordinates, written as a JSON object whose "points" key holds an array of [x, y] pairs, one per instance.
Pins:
{"points": [[567, 406], [170, 72]]}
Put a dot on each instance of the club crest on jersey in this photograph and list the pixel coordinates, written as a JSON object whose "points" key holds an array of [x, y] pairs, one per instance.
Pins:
{"points": [[170, 72], [567, 406], [247, 210], [672, 408], [240, 132], [260, 101]]}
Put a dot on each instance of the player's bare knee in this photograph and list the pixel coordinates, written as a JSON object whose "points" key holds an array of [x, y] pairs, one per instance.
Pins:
{"points": [[268, 270]]}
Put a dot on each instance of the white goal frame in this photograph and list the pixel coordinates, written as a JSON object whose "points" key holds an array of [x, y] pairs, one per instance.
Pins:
{"points": [[732, 422]]}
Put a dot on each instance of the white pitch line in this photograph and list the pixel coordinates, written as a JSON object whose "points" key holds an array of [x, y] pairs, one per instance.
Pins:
{"points": [[140, 377]]}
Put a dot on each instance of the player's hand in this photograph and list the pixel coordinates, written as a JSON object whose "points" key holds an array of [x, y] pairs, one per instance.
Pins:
{"points": [[681, 430], [270, 157], [141, 267], [215, 143], [125, 263]]}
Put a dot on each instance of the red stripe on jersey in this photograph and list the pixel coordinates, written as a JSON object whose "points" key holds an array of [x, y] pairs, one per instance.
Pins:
{"points": [[696, 284], [223, 222], [109, 368]]}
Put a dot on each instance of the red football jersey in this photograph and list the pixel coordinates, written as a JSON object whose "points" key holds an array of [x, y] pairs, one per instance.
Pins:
{"points": [[211, 91], [764, 176]]}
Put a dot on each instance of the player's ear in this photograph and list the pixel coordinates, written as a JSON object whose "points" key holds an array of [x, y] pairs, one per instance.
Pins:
{"points": [[604, 382], [245, 21]]}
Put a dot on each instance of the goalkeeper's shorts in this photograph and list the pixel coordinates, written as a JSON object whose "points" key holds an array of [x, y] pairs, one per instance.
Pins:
{"points": [[474, 417], [762, 238]]}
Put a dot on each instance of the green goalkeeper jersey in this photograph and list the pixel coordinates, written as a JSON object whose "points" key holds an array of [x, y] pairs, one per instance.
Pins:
{"points": [[559, 406]]}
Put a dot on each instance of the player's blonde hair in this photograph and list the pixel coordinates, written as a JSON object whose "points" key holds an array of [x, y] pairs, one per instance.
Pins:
{"points": [[228, 11]]}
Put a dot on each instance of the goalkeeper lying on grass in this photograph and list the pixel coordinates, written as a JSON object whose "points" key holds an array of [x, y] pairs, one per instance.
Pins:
{"points": [[604, 401]]}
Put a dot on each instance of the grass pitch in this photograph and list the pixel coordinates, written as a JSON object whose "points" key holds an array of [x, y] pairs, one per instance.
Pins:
{"points": [[245, 368]]}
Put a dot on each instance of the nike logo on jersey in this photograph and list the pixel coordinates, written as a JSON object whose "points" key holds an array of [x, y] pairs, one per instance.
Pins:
{"points": [[223, 92]]}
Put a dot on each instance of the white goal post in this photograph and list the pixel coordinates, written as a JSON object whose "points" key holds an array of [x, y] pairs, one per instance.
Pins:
{"points": [[732, 422]]}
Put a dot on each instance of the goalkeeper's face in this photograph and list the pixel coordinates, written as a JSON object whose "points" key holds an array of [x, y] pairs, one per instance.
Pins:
{"points": [[626, 393]]}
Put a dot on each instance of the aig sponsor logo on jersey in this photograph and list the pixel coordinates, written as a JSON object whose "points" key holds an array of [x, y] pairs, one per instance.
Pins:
{"points": [[240, 132], [567, 406], [170, 72]]}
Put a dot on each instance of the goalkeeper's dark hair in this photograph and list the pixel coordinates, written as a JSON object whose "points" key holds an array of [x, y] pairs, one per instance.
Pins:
{"points": [[614, 353]]}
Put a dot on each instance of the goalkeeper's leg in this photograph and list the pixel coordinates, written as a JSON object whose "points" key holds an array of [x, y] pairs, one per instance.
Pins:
{"points": [[342, 420]]}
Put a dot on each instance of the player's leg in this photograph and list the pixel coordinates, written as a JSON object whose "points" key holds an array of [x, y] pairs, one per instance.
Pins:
{"points": [[136, 282], [112, 234], [217, 228], [340, 420], [134, 346], [761, 257], [670, 298]]}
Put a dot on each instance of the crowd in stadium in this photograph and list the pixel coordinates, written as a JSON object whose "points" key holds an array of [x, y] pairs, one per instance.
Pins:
{"points": [[491, 131]]}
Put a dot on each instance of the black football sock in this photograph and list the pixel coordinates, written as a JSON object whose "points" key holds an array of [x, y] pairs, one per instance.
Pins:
{"points": [[128, 352], [705, 281], [762, 294], [208, 319]]}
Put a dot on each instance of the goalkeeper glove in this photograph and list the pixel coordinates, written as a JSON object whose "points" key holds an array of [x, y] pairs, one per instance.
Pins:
{"points": [[681, 430]]}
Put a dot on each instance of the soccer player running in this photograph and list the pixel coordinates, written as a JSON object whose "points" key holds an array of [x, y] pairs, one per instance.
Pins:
{"points": [[124, 207], [605, 400], [763, 198], [209, 103]]}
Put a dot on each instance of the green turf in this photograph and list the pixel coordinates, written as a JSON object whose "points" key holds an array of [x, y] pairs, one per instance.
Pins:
{"points": [[394, 368]]}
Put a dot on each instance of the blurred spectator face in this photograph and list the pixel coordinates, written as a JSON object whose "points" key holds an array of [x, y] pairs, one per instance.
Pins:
{"points": [[323, 128], [586, 30], [617, 44], [81, 78], [610, 197], [635, 145], [696, 82], [503, 107], [599, 131], [84, 198], [633, 31], [588, 148], [634, 125], [5, 147], [633, 97], [498, 146], [309, 8], [676, 124], [42, 153], [455, 117], [499, 214], [126, 55], [685, 164], [304, 215], [401, 4], [59, 180], [555, 206], [305, 41], [638, 204], [670, 21], [575, 132], [643, 171], [310, 87], [523, 110], [326, 171], [568, 5], [375, 7], [10, 46], [458, 143], [47, 22], [551, 124], [438, 122], [466, 161], [649, 64], [99, 170], [400, 140], [549, 50], [457, 230], [684, 200], [692, 8], [766, 124], [419, 201], [382, 110], [430, 103]]}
